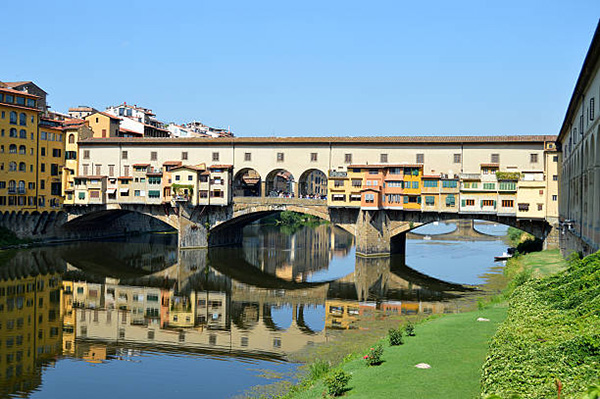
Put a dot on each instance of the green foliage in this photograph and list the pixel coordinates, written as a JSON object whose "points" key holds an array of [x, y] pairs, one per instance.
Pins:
{"points": [[395, 336], [508, 175], [517, 237], [410, 329], [318, 369], [373, 358], [593, 392], [552, 332], [178, 188], [337, 382], [7, 237]]}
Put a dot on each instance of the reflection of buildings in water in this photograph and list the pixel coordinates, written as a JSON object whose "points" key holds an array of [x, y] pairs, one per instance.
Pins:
{"points": [[30, 329], [295, 257]]}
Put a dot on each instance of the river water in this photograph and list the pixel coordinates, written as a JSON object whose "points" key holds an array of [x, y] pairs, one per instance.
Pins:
{"points": [[138, 318]]}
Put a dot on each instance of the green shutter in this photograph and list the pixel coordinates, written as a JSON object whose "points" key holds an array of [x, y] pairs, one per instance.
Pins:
{"points": [[463, 203]]}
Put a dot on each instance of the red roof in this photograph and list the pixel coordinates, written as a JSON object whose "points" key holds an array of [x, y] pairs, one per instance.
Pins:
{"points": [[140, 164], [172, 163], [21, 93], [125, 178], [220, 167]]}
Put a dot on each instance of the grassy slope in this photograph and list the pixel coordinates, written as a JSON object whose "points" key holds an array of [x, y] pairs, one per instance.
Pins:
{"points": [[454, 345], [552, 330]]}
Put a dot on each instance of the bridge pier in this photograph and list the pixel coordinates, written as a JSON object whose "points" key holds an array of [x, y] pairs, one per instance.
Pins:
{"points": [[373, 235], [195, 223]]}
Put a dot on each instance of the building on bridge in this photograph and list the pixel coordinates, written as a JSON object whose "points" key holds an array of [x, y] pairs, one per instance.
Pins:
{"points": [[579, 140]]}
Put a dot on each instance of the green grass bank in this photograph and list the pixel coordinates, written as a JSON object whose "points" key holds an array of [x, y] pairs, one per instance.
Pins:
{"points": [[552, 330], [454, 345]]}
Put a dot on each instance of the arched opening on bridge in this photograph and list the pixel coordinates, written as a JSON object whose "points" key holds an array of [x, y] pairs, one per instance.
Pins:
{"points": [[280, 183], [247, 183], [313, 184]]}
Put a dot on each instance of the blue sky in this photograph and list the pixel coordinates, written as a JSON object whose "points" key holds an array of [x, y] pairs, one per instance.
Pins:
{"points": [[310, 67]]}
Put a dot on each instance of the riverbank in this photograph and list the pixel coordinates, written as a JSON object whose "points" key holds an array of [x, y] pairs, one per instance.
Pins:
{"points": [[455, 346]]}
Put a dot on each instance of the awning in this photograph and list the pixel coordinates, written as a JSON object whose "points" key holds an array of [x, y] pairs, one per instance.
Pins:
{"points": [[124, 190], [111, 190]]}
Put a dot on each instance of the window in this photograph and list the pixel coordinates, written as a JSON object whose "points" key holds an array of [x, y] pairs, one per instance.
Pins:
{"points": [[153, 155], [592, 105], [369, 198], [215, 156], [86, 170], [13, 117], [123, 155], [280, 157], [415, 184], [56, 152], [184, 155], [111, 170], [468, 202], [190, 177], [86, 154], [71, 139], [12, 149], [449, 184], [313, 157], [508, 203], [488, 203], [420, 158], [540, 207], [555, 197], [53, 169], [489, 186], [450, 200], [507, 186], [13, 133], [98, 170], [22, 119], [555, 158], [347, 158], [495, 158], [523, 207], [247, 156], [22, 134], [338, 183], [533, 158], [555, 177], [383, 158], [430, 183], [356, 183], [456, 158], [81, 195], [373, 171], [42, 184], [126, 170], [429, 200]]}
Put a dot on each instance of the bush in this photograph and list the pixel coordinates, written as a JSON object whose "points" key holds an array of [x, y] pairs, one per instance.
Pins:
{"points": [[410, 329], [318, 369], [395, 336], [337, 382], [373, 358]]}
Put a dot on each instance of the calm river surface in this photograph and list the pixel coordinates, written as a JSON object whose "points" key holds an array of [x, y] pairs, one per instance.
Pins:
{"points": [[137, 318]]}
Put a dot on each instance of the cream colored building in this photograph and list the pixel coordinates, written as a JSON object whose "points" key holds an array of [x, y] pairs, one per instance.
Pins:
{"points": [[579, 175]]}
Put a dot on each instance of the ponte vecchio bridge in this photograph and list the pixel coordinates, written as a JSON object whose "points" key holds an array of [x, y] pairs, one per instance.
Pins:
{"points": [[377, 188]]}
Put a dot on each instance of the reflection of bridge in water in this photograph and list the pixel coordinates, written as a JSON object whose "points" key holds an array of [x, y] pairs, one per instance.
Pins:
{"points": [[465, 230]]}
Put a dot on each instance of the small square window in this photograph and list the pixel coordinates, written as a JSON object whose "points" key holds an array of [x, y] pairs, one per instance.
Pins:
{"points": [[420, 158], [280, 157], [456, 158], [383, 158], [124, 155], [184, 155], [347, 158], [533, 158], [247, 156], [153, 156], [313, 157], [215, 156], [495, 158]]}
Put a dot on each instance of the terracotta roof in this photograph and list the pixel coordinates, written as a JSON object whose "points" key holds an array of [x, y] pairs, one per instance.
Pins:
{"points": [[154, 174], [188, 167], [125, 178], [170, 163], [21, 93], [375, 140], [387, 166], [140, 164], [490, 165], [220, 167], [74, 109], [370, 189]]}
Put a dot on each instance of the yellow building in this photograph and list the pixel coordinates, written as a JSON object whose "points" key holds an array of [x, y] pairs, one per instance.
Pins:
{"points": [[412, 186], [103, 125], [344, 188], [51, 161], [19, 119], [73, 130]]}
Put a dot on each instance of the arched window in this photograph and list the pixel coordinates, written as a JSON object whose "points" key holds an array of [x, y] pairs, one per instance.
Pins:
{"points": [[22, 167], [12, 185], [12, 166], [22, 150], [12, 149], [23, 134], [21, 185], [71, 138], [13, 132], [13, 117], [23, 119]]}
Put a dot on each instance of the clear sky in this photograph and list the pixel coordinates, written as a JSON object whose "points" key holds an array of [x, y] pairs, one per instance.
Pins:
{"points": [[308, 67]]}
